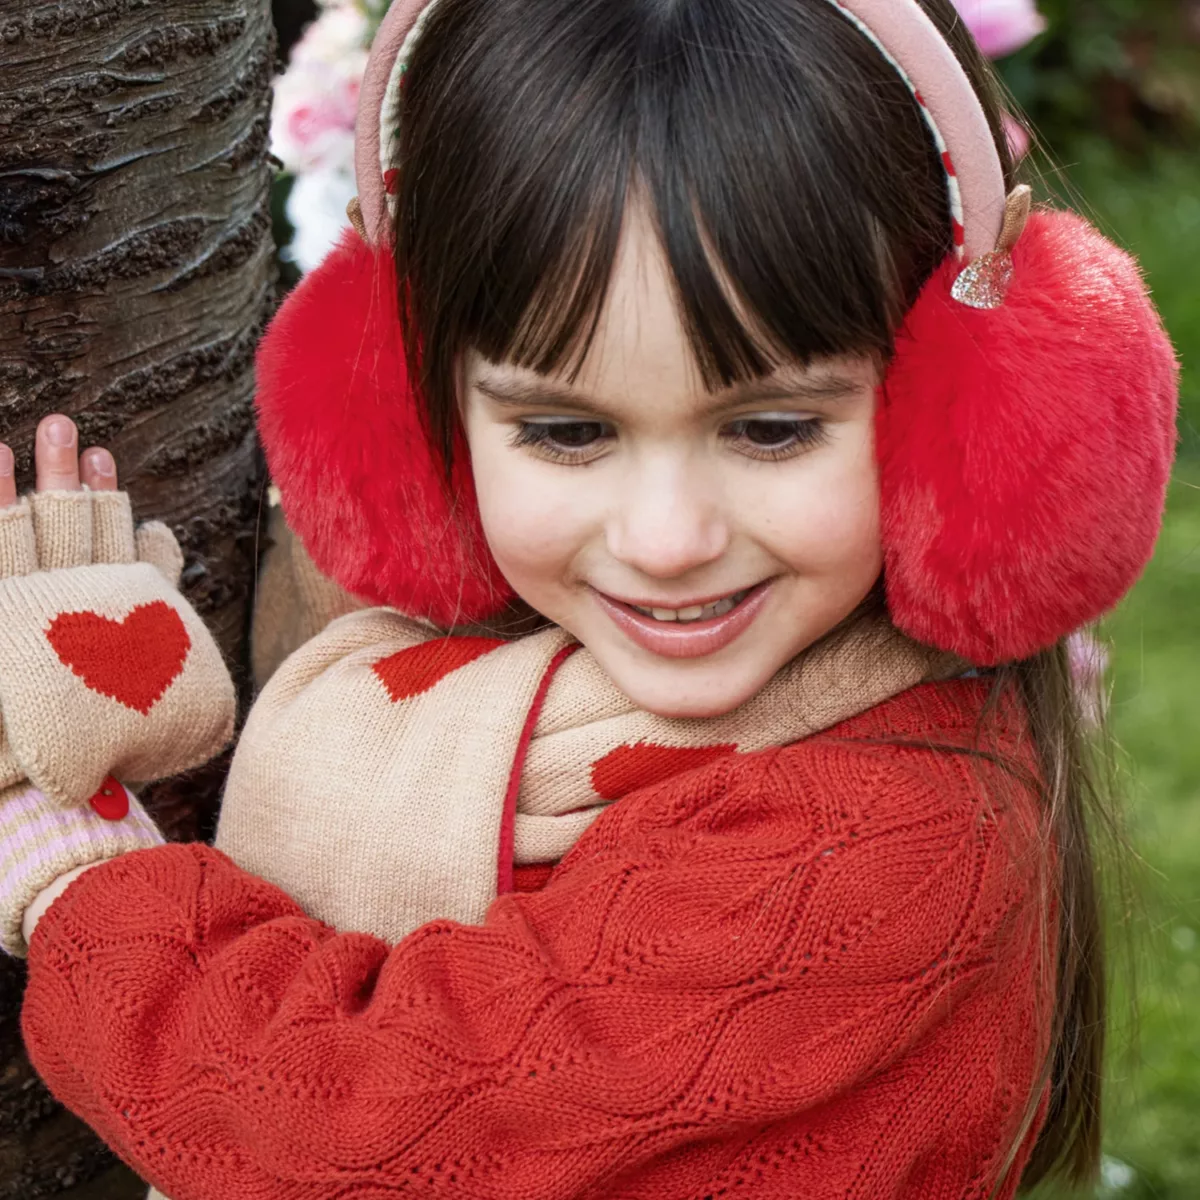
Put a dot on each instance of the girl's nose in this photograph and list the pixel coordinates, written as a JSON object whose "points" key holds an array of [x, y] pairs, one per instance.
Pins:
{"points": [[668, 522]]}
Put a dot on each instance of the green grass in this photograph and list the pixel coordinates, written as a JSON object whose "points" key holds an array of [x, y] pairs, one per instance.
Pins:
{"points": [[1153, 1124], [1155, 1072]]}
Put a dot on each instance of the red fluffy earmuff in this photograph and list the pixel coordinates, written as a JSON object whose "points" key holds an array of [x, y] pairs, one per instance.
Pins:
{"points": [[1024, 447], [1025, 450], [347, 447]]}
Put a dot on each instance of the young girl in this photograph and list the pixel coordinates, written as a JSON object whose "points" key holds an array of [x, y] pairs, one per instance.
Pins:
{"points": [[700, 356]]}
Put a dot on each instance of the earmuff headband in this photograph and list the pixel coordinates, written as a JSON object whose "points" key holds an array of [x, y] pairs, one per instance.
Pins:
{"points": [[1024, 434], [373, 129], [900, 30]]}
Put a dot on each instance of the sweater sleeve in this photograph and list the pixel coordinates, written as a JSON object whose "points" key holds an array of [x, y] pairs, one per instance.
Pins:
{"points": [[721, 980]]}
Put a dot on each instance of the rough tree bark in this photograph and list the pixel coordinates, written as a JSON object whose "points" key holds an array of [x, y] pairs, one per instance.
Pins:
{"points": [[136, 272]]}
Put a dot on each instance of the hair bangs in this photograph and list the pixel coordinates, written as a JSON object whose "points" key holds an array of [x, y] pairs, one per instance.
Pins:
{"points": [[786, 238], [547, 306], [799, 204]]}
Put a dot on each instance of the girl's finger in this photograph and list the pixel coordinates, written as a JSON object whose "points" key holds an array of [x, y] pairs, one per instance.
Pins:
{"points": [[8, 479], [99, 470], [56, 455]]}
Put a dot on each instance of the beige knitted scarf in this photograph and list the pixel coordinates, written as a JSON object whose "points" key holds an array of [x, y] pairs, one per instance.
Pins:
{"points": [[388, 776]]}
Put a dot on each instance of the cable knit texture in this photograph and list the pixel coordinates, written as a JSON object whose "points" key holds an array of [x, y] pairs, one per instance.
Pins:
{"points": [[814, 971], [104, 667]]}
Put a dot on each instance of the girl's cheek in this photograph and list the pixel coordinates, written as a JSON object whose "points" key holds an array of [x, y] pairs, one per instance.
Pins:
{"points": [[524, 538], [532, 517], [824, 517]]}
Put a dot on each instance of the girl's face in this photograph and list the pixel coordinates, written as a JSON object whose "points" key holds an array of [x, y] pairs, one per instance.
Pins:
{"points": [[695, 542]]}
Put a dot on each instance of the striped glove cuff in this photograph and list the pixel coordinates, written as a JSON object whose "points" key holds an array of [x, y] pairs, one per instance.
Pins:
{"points": [[39, 841]]}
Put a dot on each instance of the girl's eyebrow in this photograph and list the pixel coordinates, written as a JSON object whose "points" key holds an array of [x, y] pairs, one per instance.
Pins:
{"points": [[824, 387]]}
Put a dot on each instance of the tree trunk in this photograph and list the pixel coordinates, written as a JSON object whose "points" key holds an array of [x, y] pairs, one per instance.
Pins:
{"points": [[136, 273]]}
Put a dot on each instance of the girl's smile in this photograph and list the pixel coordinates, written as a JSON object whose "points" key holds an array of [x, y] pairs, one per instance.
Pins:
{"points": [[693, 629], [694, 540]]}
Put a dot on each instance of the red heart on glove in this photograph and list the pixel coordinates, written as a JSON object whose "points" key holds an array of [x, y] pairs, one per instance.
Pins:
{"points": [[134, 661]]}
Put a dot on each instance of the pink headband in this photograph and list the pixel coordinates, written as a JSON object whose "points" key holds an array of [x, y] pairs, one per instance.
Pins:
{"points": [[900, 29]]}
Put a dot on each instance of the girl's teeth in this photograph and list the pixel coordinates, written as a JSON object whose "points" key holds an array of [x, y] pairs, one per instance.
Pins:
{"points": [[697, 612]]}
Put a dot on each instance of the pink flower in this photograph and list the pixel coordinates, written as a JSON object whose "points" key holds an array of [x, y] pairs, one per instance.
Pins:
{"points": [[1088, 660], [1018, 137], [323, 113], [1002, 26], [316, 98]]}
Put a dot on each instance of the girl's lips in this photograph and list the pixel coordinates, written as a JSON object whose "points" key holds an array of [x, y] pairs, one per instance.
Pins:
{"points": [[695, 639]]}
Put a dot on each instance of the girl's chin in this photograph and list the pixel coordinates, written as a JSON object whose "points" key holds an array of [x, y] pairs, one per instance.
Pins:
{"points": [[683, 700], [696, 684], [685, 688]]}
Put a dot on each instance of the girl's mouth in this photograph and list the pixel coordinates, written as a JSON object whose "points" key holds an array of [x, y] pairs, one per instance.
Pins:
{"points": [[697, 612], [692, 632]]}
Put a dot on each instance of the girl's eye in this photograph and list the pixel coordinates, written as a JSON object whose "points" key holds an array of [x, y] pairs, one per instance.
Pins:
{"points": [[775, 437], [563, 441]]}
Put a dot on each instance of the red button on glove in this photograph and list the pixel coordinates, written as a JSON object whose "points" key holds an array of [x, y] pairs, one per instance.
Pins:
{"points": [[111, 802]]}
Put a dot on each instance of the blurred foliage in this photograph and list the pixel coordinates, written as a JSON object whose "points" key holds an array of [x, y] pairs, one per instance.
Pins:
{"points": [[1112, 92], [1126, 69], [376, 10], [1155, 1091], [282, 230]]}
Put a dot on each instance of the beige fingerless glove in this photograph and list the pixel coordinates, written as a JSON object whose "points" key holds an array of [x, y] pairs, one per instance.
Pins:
{"points": [[104, 667]]}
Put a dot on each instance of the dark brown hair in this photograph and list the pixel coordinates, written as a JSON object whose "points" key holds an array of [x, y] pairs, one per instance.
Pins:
{"points": [[783, 160]]}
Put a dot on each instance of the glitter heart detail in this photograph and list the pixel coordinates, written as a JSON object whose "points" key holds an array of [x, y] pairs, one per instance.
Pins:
{"points": [[132, 661], [985, 283]]}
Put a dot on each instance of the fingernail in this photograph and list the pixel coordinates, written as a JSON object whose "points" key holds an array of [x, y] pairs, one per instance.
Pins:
{"points": [[101, 462], [60, 432], [6, 460]]}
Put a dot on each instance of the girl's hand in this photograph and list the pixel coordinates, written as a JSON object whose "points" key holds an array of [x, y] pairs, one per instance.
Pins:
{"points": [[106, 674], [104, 666], [60, 467]]}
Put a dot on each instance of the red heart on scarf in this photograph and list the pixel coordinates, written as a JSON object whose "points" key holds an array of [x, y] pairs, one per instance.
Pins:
{"points": [[410, 672], [132, 661], [628, 768]]}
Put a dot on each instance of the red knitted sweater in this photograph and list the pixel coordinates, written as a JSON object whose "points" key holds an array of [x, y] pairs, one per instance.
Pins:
{"points": [[810, 972]]}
